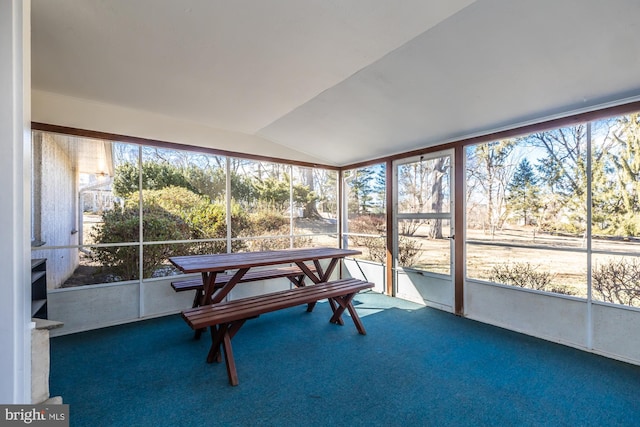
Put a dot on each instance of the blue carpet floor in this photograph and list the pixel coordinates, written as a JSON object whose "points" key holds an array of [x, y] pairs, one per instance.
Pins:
{"points": [[415, 367]]}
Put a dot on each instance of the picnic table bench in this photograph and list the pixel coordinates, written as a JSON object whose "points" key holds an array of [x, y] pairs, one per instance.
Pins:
{"points": [[226, 318], [293, 273]]}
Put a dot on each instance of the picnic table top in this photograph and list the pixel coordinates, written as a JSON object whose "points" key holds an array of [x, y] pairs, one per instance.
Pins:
{"points": [[227, 261]]}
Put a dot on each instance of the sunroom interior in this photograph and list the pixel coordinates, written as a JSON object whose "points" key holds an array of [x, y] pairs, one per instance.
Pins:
{"points": [[482, 155]]}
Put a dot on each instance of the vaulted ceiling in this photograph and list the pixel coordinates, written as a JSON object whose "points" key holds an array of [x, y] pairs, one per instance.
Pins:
{"points": [[341, 81]]}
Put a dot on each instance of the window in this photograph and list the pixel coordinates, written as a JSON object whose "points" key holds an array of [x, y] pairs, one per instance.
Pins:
{"points": [[72, 194], [424, 213], [365, 210], [615, 218], [105, 211], [526, 211], [541, 207]]}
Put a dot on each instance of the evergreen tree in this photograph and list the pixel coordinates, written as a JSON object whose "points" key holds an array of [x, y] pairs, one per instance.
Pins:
{"points": [[155, 176], [380, 187], [625, 156], [360, 191], [523, 193]]}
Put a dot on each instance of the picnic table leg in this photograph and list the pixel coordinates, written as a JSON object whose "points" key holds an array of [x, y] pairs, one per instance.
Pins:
{"points": [[202, 297], [356, 319], [345, 303], [230, 362], [197, 298], [217, 333], [221, 335], [196, 303], [334, 307]]}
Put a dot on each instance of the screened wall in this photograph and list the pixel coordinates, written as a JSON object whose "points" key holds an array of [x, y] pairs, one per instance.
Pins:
{"points": [[547, 245], [105, 211]]}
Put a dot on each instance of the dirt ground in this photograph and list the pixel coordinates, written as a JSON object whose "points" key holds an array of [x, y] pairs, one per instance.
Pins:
{"points": [[564, 257]]}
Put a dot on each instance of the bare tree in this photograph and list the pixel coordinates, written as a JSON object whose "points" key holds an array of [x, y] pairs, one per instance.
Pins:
{"points": [[492, 168]]}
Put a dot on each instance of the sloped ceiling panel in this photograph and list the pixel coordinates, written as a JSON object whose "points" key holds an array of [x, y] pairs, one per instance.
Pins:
{"points": [[491, 65], [234, 65]]}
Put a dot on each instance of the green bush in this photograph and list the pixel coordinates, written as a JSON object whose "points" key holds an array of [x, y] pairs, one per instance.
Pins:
{"points": [[265, 223], [177, 200], [209, 221], [204, 219], [268, 223], [123, 225], [155, 176], [171, 213]]}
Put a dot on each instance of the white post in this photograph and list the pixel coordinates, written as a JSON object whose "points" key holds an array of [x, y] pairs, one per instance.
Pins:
{"points": [[15, 205]]}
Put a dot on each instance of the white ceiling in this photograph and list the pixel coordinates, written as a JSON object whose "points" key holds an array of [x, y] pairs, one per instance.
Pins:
{"points": [[341, 80]]}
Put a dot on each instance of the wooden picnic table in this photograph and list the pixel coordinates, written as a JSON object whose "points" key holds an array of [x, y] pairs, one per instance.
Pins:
{"points": [[225, 318], [210, 265]]}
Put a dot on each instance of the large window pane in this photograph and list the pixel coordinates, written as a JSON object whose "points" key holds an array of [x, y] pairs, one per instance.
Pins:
{"points": [[530, 190], [315, 201], [365, 200], [72, 182], [524, 195], [261, 193], [616, 207], [74, 204], [563, 272], [183, 194], [616, 184], [423, 186], [422, 249]]}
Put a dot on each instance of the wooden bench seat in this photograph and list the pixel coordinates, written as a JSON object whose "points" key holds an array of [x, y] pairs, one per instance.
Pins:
{"points": [[226, 318], [293, 273]]}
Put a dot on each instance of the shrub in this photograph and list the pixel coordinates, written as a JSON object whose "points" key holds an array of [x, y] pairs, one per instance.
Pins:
{"points": [[123, 225], [268, 223], [521, 274], [408, 249], [155, 176], [367, 224], [171, 213], [208, 221], [177, 200], [617, 282]]}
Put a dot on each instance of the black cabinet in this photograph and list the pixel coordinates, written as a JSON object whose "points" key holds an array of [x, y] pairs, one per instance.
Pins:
{"points": [[39, 288]]}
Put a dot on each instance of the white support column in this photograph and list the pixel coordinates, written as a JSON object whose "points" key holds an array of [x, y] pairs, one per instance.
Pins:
{"points": [[15, 176]]}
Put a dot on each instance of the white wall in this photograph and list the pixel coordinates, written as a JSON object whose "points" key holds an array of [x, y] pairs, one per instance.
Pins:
{"points": [[56, 197], [366, 270], [615, 332], [433, 290], [15, 304], [83, 308], [557, 318]]}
